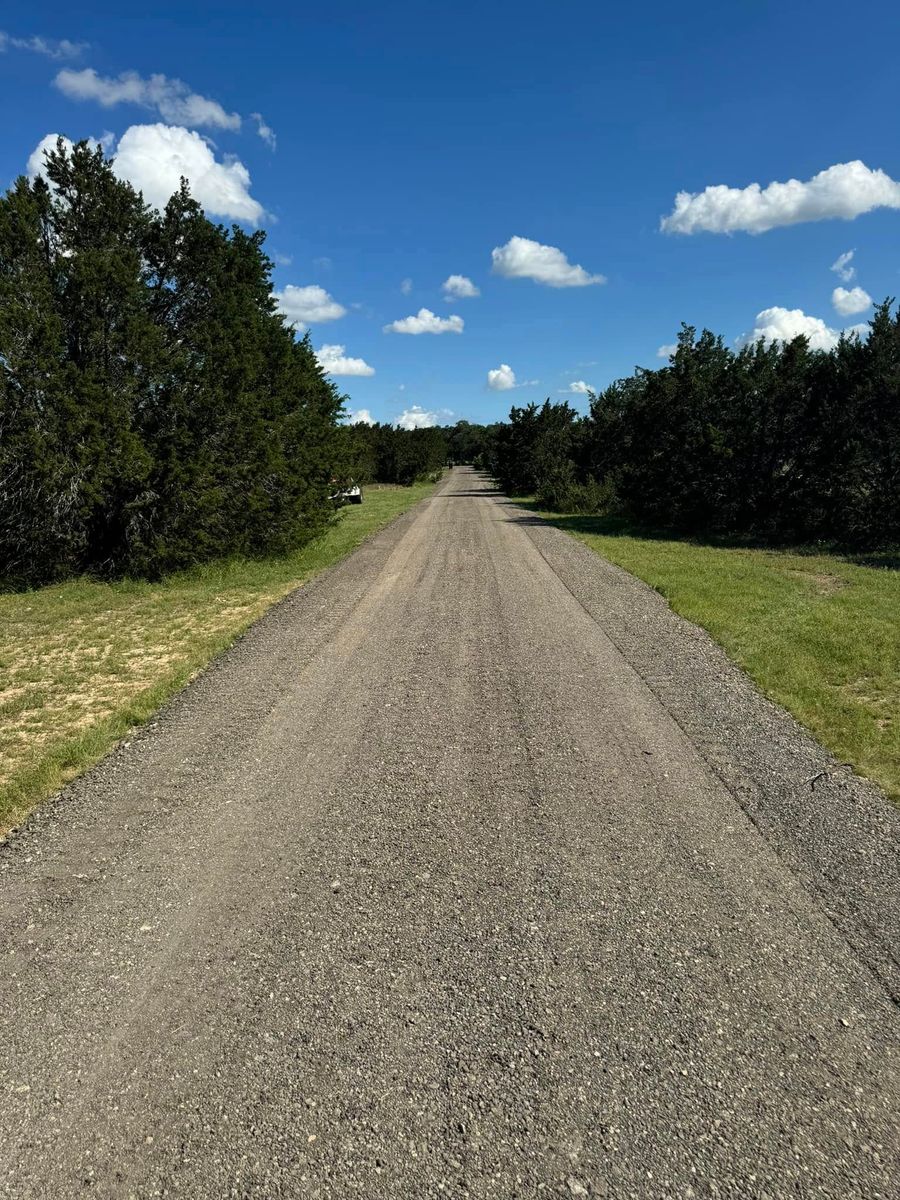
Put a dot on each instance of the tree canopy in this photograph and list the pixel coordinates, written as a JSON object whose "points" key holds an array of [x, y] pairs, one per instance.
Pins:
{"points": [[775, 441]]}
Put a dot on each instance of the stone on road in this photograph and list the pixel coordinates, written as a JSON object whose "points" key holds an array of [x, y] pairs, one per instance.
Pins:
{"points": [[470, 871]]}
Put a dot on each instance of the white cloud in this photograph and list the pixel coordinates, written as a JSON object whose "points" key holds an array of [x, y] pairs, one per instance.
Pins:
{"points": [[459, 287], [667, 351], [845, 190], [425, 321], [281, 260], [406, 286], [362, 416], [266, 132], [333, 360], [501, 378], [310, 305], [416, 418], [579, 387], [521, 258], [36, 162], [153, 158], [784, 324], [58, 48], [861, 331], [841, 266], [848, 303], [171, 98]]}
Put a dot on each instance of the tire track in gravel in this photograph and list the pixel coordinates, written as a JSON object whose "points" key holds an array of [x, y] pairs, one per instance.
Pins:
{"points": [[422, 891]]}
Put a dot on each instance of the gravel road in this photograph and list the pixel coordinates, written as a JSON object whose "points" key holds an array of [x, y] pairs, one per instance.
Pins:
{"points": [[471, 871]]}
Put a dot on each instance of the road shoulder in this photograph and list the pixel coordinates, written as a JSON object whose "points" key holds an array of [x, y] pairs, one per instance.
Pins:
{"points": [[837, 832]]}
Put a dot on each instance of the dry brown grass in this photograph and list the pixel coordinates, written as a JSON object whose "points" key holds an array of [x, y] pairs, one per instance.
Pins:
{"points": [[82, 662]]}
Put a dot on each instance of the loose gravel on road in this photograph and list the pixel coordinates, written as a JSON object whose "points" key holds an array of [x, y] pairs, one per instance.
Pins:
{"points": [[471, 871]]}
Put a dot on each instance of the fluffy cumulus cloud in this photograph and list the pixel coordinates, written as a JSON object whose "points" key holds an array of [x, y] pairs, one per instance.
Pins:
{"points": [[522, 258], [848, 303], [845, 190], [153, 158], [58, 48], [784, 324], [36, 160], [862, 330], [667, 351], [310, 305], [416, 418], [425, 321], [502, 378], [172, 99], [842, 268], [459, 287], [334, 361], [579, 387], [265, 131], [361, 416]]}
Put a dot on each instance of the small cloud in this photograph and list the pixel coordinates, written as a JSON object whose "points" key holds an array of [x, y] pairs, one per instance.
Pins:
{"points": [[848, 303], [522, 258], [333, 361], [171, 98], [310, 305], [861, 331], [266, 132], [841, 266], [843, 191], [416, 418], [58, 48], [667, 351], [362, 416], [784, 324], [579, 388], [323, 263], [282, 260], [406, 286], [459, 287], [425, 321], [502, 378]]}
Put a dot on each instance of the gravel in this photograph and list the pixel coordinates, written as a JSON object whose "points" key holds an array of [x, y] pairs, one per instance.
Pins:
{"points": [[470, 871]]}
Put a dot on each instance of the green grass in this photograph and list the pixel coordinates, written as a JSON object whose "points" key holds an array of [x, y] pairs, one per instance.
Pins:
{"points": [[818, 633], [83, 662]]}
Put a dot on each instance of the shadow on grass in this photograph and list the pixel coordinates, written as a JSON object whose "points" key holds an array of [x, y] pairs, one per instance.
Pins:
{"points": [[614, 526]]}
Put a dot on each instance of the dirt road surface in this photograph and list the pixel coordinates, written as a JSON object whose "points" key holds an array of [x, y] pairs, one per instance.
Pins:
{"points": [[472, 871]]}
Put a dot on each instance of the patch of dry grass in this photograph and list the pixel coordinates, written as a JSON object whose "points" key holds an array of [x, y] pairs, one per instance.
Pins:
{"points": [[82, 662]]}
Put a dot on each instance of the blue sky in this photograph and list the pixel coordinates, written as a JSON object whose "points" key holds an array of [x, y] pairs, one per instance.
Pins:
{"points": [[411, 141]]}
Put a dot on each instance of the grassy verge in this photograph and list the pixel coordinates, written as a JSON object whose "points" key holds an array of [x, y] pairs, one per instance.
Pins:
{"points": [[819, 634], [82, 662]]}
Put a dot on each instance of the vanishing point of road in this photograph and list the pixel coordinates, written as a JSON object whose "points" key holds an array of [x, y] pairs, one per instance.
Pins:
{"points": [[471, 871]]}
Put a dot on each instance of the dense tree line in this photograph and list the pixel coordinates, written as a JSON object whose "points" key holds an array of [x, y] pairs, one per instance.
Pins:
{"points": [[386, 454], [773, 441], [155, 410]]}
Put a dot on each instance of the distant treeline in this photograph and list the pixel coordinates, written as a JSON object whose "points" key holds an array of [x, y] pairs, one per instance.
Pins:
{"points": [[386, 454], [155, 410], [778, 442]]}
